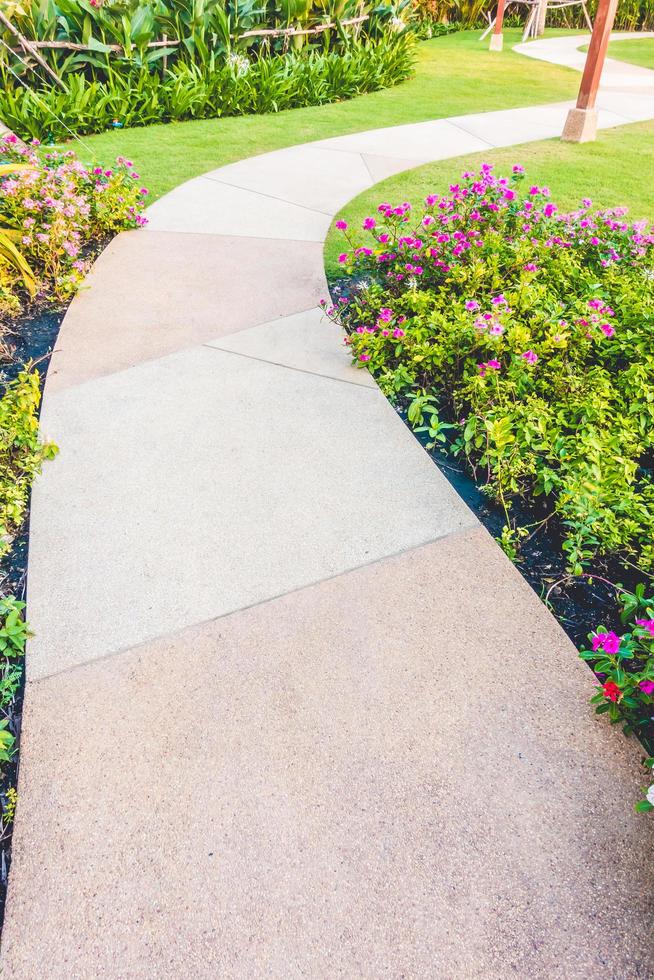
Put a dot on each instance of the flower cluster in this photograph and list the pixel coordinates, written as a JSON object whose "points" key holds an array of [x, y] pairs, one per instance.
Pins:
{"points": [[530, 329], [624, 667], [56, 208]]}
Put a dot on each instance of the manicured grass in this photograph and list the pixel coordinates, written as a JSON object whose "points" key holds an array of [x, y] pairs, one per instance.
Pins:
{"points": [[637, 52], [455, 74], [615, 170]]}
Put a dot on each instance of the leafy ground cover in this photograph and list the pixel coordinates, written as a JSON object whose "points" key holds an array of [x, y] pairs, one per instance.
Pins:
{"points": [[517, 339], [454, 74], [217, 88]]}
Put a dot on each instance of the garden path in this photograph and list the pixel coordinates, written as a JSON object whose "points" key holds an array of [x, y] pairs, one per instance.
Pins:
{"points": [[290, 711]]}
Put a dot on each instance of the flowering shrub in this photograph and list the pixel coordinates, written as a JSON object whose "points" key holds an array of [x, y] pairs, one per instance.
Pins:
{"points": [[56, 208], [624, 666], [525, 337]]}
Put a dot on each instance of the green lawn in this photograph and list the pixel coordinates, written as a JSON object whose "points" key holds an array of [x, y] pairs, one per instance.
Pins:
{"points": [[637, 52], [617, 169], [455, 74]]}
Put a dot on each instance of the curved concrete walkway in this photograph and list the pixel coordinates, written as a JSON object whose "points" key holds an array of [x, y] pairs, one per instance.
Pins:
{"points": [[290, 711]]}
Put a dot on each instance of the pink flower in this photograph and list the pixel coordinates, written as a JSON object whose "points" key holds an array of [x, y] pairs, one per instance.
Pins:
{"points": [[608, 642], [530, 357], [607, 329], [343, 257], [369, 224], [647, 687], [364, 357], [493, 365], [398, 333], [341, 225], [517, 168], [472, 304], [499, 300], [647, 624]]}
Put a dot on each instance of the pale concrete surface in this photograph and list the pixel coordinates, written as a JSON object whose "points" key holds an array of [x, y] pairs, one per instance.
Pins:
{"points": [[149, 295], [508, 127], [382, 167], [392, 774], [310, 176], [305, 342], [203, 206], [205, 481], [420, 142], [566, 51]]}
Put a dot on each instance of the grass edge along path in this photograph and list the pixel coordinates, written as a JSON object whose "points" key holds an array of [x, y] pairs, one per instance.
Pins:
{"points": [[635, 51], [455, 74], [613, 171]]}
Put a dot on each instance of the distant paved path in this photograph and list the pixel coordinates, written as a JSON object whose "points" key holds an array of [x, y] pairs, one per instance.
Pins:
{"points": [[290, 711]]}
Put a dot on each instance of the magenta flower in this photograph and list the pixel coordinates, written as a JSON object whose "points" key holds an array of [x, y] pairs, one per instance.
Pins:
{"points": [[530, 357], [472, 304], [364, 357], [493, 365], [343, 257], [607, 329], [608, 642], [341, 225], [369, 224], [647, 624], [647, 687], [517, 168]]}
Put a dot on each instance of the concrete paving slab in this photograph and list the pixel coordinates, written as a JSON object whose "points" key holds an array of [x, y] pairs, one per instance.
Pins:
{"points": [[419, 142], [204, 206], [391, 774], [382, 167], [207, 481], [306, 341], [515, 126], [308, 175], [149, 295], [632, 104]]}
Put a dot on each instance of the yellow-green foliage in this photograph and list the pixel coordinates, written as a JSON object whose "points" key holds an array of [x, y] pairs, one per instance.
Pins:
{"points": [[21, 452]]}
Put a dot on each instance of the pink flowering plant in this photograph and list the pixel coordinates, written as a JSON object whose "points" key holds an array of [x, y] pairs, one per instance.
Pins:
{"points": [[624, 666], [58, 211], [524, 338]]}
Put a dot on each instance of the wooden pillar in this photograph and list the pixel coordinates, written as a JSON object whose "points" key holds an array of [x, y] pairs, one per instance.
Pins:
{"points": [[581, 124], [497, 38], [541, 18]]}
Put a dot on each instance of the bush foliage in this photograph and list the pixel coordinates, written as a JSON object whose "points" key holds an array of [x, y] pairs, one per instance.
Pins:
{"points": [[53, 210], [525, 337], [219, 87]]}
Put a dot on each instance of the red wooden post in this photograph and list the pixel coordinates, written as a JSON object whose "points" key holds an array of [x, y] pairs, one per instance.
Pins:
{"points": [[497, 38], [581, 124]]}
